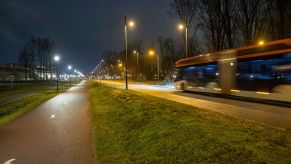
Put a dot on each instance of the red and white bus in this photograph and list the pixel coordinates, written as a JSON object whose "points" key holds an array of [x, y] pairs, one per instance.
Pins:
{"points": [[259, 71]]}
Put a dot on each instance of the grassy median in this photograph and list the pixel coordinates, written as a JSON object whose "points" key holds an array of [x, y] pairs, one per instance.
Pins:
{"points": [[15, 109], [42, 92], [23, 88], [133, 128]]}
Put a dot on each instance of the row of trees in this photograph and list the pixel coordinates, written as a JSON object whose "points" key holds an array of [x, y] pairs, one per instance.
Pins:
{"points": [[36, 58], [141, 65], [227, 24], [212, 25]]}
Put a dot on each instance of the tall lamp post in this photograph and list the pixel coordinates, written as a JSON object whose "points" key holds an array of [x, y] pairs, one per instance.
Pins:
{"points": [[75, 75], [182, 27], [69, 68], [152, 53], [136, 52], [100, 66], [57, 59], [130, 24]]}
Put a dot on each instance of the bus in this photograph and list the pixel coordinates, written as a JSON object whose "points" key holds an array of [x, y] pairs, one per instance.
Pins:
{"points": [[260, 71]]}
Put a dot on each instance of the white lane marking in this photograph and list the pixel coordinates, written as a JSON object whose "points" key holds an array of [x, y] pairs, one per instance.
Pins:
{"points": [[53, 116], [9, 161]]}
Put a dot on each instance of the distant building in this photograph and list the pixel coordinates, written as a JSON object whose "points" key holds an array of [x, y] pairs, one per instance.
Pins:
{"points": [[16, 72], [9, 72]]}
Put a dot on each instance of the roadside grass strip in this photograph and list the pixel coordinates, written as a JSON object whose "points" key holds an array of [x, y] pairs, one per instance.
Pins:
{"points": [[130, 127], [10, 111]]}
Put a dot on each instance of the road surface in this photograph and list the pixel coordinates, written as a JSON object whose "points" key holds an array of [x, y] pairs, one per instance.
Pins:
{"points": [[266, 114], [57, 132]]}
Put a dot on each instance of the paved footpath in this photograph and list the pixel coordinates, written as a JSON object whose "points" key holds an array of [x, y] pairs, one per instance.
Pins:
{"points": [[57, 132]]}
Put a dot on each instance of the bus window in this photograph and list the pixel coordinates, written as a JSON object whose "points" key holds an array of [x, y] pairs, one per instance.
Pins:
{"points": [[200, 75]]}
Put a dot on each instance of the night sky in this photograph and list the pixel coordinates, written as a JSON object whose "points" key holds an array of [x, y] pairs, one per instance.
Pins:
{"points": [[82, 29]]}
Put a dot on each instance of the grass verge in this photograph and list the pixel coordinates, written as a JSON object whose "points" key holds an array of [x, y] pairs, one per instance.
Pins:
{"points": [[15, 109], [32, 87], [10, 111], [133, 128]]}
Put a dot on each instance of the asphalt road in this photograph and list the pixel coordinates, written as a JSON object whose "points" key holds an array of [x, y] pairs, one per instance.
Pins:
{"points": [[57, 132], [266, 114]]}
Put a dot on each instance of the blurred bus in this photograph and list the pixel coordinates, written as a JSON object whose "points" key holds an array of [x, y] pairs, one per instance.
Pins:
{"points": [[259, 71]]}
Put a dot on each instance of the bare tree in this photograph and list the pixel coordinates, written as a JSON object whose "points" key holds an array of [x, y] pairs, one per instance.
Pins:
{"points": [[278, 14], [212, 22], [24, 59], [36, 56], [229, 18], [135, 58], [186, 11], [32, 47], [110, 64], [252, 20], [167, 54]]}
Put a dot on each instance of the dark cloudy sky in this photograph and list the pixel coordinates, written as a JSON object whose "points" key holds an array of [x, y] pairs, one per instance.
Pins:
{"points": [[82, 29]]}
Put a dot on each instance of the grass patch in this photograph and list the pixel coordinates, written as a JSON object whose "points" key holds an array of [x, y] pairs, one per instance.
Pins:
{"points": [[15, 109], [133, 128], [32, 87], [44, 91]]}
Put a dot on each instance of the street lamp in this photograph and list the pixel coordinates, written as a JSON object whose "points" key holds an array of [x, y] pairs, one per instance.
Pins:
{"points": [[57, 59], [182, 27], [136, 52], [100, 69], [69, 68], [152, 53], [261, 42], [75, 75], [130, 24]]}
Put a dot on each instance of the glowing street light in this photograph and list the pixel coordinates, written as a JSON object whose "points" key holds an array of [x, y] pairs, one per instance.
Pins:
{"points": [[130, 24], [76, 71], [100, 69], [261, 42], [184, 27], [152, 53], [137, 54], [57, 59], [69, 68], [181, 26]]}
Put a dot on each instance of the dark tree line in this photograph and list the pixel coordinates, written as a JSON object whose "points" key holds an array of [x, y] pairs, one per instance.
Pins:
{"points": [[36, 58], [140, 64], [231, 23]]}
